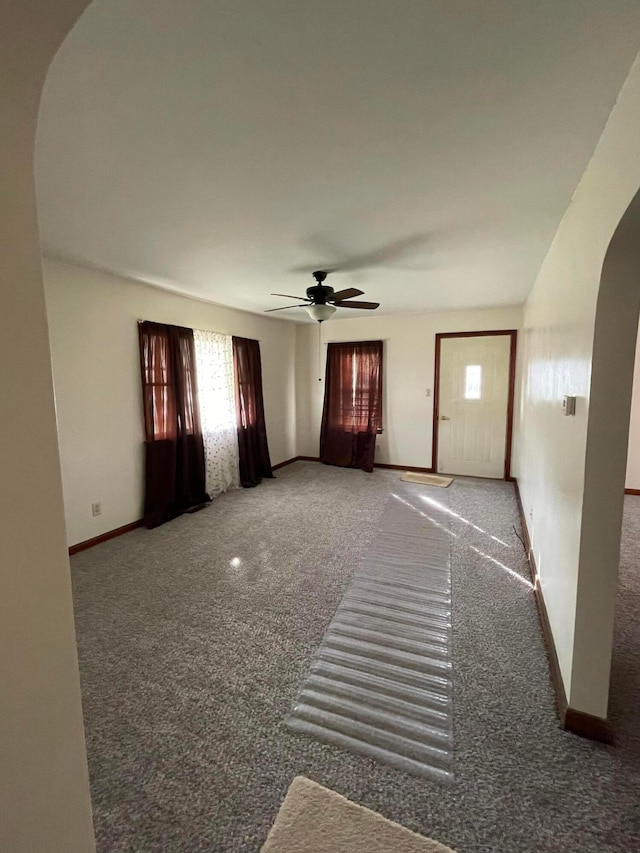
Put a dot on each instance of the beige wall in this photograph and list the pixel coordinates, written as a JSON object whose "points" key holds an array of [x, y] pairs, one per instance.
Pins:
{"points": [[44, 791], [94, 345], [633, 455], [409, 353], [555, 358]]}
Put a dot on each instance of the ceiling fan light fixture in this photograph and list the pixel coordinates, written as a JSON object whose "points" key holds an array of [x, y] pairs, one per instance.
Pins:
{"points": [[320, 312]]}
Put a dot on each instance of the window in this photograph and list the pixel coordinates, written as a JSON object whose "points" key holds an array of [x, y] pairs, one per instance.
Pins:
{"points": [[157, 382], [352, 414], [168, 386], [473, 382], [188, 364], [157, 376], [216, 398], [354, 379], [214, 369], [174, 453]]}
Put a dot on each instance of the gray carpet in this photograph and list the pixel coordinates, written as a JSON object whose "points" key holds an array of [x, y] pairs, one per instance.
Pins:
{"points": [[194, 638]]}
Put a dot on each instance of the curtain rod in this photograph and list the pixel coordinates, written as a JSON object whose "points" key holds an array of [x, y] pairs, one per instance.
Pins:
{"points": [[201, 330], [367, 341]]}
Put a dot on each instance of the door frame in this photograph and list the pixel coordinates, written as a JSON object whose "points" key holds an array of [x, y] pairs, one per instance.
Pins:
{"points": [[513, 334]]}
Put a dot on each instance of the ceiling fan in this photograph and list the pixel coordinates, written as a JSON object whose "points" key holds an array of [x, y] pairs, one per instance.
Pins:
{"points": [[321, 300]]}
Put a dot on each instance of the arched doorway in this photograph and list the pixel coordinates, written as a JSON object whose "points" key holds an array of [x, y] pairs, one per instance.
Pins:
{"points": [[615, 333], [46, 803]]}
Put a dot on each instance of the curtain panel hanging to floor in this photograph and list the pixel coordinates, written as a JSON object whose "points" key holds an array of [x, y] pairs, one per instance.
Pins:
{"points": [[252, 432], [352, 413], [174, 451], [216, 396]]}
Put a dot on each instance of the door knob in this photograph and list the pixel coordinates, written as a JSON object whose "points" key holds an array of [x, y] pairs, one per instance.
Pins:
{"points": [[444, 418]]}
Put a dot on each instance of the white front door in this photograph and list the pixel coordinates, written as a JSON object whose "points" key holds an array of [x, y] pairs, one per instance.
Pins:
{"points": [[472, 405]]}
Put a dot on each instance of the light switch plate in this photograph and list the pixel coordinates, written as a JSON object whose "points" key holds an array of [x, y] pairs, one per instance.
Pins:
{"points": [[568, 405]]}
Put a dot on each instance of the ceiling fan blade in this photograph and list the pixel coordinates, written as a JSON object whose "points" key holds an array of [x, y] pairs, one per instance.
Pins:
{"points": [[284, 307], [347, 294], [288, 296], [369, 306]]}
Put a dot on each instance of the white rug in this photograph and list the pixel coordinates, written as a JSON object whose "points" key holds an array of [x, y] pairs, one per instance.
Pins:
{"points": [[426, 479], [313, 819]]}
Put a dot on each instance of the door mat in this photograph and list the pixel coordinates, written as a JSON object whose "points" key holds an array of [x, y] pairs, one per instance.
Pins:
{"points": [[426, 479]]}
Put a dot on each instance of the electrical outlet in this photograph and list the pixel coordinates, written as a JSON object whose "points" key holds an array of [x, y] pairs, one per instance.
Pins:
{"points": [[96, 509]]}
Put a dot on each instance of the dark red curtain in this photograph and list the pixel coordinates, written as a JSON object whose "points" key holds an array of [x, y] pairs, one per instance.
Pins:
{"points": [[252, 432], [175, 469], [352, 414]]}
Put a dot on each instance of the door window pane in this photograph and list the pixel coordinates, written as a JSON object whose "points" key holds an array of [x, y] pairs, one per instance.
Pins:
{"points": [[473, 382]]}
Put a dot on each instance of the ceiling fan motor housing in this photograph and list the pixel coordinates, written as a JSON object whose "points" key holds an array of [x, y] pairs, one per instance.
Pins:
{"points": [[320, 293]]}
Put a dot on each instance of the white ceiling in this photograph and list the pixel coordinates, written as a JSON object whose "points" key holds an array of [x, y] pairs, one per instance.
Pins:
{"points": [[214, 147]]}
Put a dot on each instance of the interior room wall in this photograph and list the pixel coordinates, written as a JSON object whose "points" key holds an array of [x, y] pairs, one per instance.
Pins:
{"points": [[408, 373], [44, 782], [633, 453], [96, 367], [555, 358]]}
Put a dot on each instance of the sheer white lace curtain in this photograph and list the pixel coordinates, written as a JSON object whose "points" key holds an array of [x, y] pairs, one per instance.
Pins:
{"points": [[214, 365]]}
